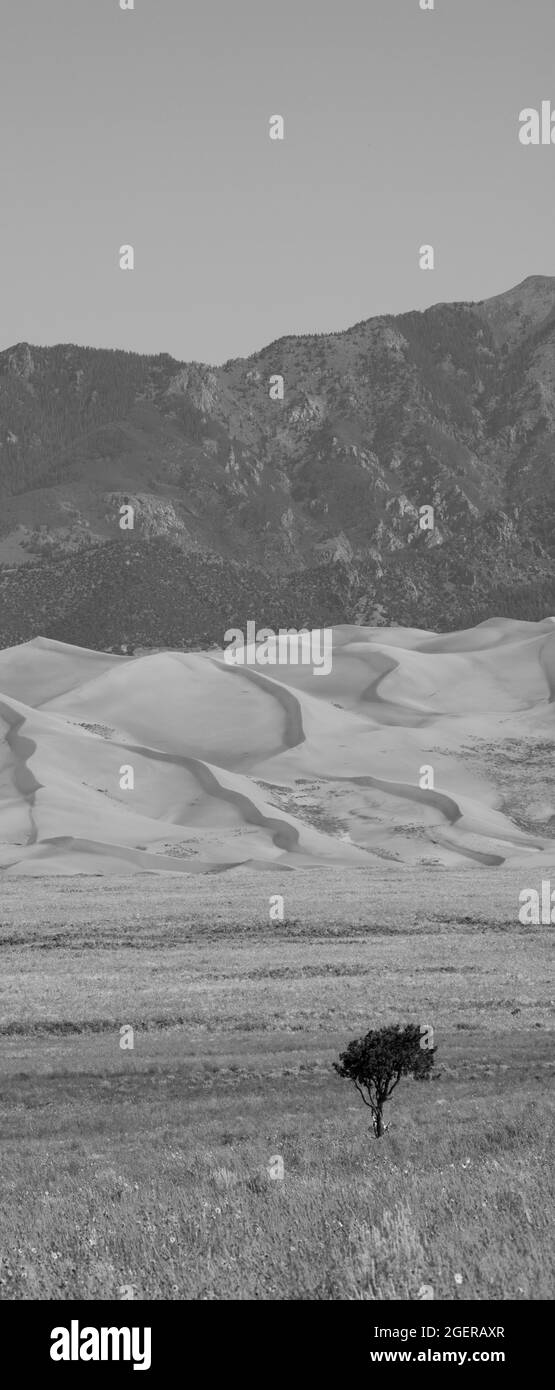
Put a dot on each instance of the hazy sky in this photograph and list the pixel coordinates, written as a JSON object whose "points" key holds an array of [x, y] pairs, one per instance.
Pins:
{"points": [[150, 127]]}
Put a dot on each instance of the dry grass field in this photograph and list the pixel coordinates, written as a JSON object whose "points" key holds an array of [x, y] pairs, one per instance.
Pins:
{"points": [[143, 1172]]}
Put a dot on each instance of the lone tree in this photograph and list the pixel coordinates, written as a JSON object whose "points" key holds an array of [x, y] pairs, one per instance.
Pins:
{"points": [[377, 1062]]}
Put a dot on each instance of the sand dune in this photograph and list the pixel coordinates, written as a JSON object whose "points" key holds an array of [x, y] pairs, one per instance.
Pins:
{"points": [[271, 764]]}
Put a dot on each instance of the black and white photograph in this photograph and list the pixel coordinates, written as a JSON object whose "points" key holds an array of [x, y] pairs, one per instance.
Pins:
{"points": [[277, 663]]}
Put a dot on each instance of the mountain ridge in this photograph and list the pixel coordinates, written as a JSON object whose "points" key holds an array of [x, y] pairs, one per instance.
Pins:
{"points": [[451, 407], [503, 295]]}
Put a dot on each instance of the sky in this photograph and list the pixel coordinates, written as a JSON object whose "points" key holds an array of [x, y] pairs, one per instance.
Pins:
{"points": [[150, 127]]}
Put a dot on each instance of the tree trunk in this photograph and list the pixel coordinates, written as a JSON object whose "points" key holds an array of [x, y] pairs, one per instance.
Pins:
{"points": [[378, 1124]]}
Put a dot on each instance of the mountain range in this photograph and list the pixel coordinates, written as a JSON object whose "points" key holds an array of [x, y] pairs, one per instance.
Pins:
{"points": [[295, 511]]}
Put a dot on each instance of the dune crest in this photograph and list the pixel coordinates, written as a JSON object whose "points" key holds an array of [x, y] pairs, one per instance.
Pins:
{"points": [[263, 765]]}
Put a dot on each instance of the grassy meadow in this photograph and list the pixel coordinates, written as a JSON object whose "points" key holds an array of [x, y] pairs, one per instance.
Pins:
{"points": [[143, 1172]]}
